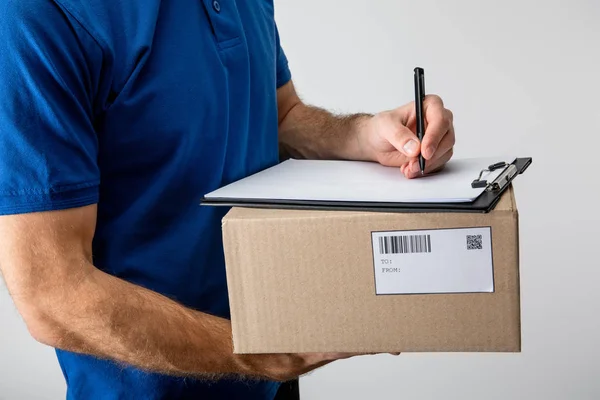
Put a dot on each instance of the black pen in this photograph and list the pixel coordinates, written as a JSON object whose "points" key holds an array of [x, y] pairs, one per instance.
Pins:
{"points": [[419, 97]]}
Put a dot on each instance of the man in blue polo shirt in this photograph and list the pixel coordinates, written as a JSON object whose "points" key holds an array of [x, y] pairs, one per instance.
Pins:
{"points": [[116, 117]]}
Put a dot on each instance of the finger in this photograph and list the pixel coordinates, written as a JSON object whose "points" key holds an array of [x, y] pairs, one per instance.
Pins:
{"points": [[406, 171], [439, 122], [403, 167], [436, 165], [318, 357], [440, 162], [328, 358], [414, 171], [309, 369], [446, 144], [392, 159], [407, 166]]}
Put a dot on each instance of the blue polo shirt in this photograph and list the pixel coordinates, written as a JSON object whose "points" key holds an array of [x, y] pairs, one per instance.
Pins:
{"points": [[140, 106]]}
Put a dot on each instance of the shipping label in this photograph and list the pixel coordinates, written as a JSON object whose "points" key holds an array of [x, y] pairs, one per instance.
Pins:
{"points": [[457, 260]]}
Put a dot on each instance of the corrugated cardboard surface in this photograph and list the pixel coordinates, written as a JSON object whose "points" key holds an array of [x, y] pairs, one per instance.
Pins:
{"points": [[303, 281]]}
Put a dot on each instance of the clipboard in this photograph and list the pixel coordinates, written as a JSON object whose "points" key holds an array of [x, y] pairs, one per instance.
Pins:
{"points": [[484, 203]]}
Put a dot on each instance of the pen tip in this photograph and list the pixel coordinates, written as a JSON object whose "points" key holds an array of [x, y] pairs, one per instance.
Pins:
{"points": [[422, 172]]}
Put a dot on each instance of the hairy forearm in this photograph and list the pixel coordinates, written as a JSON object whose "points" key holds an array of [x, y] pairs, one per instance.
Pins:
{"points": [[313, 133], [104, 316], [46, 259]]}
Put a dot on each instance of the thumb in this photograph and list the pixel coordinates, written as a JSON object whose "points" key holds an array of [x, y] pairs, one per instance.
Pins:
{"points": [[405, 141]]}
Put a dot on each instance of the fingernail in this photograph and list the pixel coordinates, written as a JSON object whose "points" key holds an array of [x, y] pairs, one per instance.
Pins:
{"points": [[416, 167], [411, 146]]}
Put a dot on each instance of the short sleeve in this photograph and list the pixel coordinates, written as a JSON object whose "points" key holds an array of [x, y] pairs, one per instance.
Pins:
{"points": [[48, 145], [284, 74]]}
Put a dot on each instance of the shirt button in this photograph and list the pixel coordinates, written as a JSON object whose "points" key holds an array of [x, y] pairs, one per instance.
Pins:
{"points": [[217, 6]]}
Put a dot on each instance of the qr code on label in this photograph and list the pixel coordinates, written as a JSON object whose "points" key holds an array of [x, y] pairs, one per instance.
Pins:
{"points": [[474, 242]]}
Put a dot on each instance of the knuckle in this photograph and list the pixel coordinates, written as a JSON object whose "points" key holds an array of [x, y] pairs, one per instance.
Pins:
{"points": [[436, 99]]}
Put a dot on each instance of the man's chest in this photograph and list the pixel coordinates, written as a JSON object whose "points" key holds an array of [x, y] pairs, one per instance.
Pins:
{"points": [[187, 81]]}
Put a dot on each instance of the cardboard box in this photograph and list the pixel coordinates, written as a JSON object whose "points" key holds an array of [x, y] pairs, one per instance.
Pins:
{"points": [[315, 281]]}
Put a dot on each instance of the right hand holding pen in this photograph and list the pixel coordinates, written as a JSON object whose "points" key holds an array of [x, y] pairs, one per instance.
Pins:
{"points": [[390, 137]]}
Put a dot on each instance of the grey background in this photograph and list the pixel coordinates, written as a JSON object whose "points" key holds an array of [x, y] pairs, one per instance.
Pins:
{"points": [[521, 78]]}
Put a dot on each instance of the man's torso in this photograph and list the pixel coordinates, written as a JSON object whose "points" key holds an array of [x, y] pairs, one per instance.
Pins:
{"points": [[185, 102]]}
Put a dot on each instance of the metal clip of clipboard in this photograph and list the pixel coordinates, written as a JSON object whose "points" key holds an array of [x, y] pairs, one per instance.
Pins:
{"points": [[510, 170], [503, 179]]}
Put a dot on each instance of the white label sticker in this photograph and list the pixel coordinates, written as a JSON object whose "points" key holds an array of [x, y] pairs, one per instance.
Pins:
{"points": [[433, 261]]}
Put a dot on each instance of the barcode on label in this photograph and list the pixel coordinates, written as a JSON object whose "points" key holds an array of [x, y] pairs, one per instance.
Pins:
{"points": [[405, 244]]}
